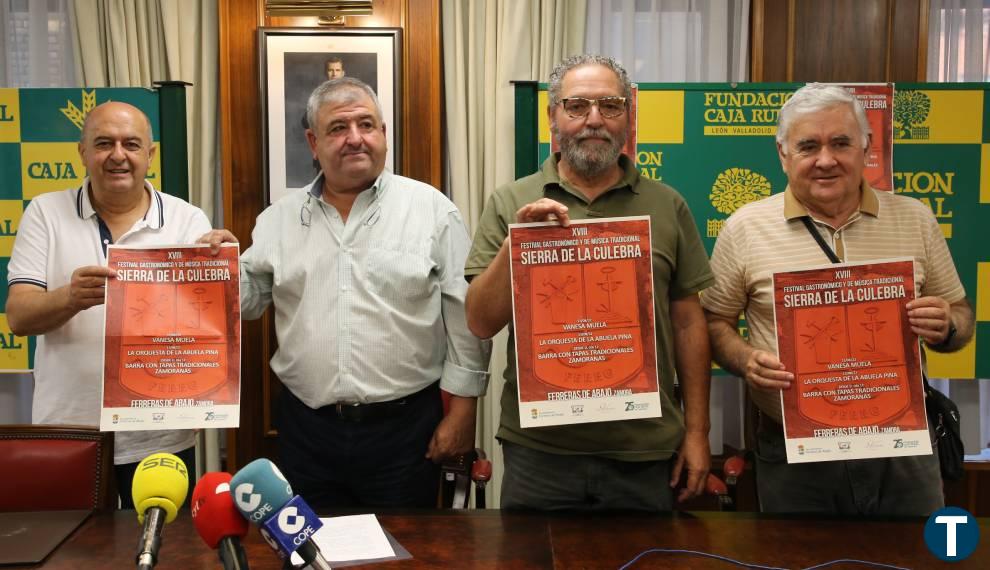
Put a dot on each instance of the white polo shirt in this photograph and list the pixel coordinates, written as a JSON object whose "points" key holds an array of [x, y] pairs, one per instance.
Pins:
{"points": [[59, 233]]}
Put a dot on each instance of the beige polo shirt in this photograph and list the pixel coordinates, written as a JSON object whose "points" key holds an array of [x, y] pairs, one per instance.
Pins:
{"points": [[768, 236]]}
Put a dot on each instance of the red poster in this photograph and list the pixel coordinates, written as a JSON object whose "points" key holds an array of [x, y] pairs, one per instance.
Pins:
{"points": [[878, 102], [583, 315], [172, 347], [843, 331]]}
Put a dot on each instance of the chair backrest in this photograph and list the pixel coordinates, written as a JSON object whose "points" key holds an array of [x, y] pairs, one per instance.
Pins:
{"points": [[56, 467], [459, 474]]}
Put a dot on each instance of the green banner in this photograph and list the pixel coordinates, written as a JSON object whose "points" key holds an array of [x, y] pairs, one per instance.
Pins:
{"points": [[39, 136], [715, 144]]}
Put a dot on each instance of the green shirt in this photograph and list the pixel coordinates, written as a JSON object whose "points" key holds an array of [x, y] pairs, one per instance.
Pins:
{"points": [[680, 268]]}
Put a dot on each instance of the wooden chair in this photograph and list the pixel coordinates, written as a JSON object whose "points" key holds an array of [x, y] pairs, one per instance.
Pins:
{"points": [[56, 467]]}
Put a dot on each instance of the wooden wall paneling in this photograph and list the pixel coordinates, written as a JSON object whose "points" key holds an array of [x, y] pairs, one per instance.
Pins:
{"points": [[907, 38], [789, 41], [840, 40], [243, 190], [241, 169], [756, 36], [423, 135], [768, 40], [923, 12]]}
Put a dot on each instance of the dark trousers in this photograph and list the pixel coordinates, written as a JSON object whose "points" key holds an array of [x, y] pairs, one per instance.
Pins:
{"points": [[890, 486], [370, 458], [535, 480], [125, 476]]}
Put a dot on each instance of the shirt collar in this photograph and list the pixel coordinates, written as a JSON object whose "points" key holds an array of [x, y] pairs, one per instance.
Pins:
{"points": [[153, 218], [378, 188], [868, 203], [630, 176]]}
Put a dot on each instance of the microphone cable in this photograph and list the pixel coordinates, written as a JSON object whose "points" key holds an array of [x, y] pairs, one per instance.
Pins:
{"points": [[754, 566]]}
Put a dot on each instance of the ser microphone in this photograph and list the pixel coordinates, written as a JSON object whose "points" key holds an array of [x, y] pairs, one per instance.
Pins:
{"points": [[159, 488], [218, 521], [264, 497]]}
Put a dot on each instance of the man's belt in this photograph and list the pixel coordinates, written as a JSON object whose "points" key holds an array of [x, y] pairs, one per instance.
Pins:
{"points": [[377, 410]]}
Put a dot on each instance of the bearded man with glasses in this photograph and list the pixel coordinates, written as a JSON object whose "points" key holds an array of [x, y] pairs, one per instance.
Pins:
{"points": [[631, 464]]}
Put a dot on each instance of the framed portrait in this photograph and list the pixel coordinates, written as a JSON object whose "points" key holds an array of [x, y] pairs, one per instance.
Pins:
{"points": [[293, 62]]}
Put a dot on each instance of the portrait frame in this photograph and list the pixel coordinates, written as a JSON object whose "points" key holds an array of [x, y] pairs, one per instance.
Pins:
{"points": [[293, 62]]}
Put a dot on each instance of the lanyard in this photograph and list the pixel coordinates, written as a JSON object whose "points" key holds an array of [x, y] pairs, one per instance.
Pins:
{"points": [[821, 241]]}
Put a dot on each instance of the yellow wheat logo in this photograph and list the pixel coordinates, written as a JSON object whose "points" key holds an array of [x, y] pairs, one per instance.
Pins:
{"points": [[736, 187], [76, 115]]}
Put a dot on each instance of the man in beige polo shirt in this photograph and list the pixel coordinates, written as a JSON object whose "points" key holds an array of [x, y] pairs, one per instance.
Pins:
{"points": [[822, 139]]}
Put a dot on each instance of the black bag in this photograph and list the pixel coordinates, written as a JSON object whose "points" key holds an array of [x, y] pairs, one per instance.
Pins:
{"points": [[943, 415]]}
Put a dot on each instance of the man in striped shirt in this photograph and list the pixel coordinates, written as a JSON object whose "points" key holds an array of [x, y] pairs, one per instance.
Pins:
{"points": [[822, 139]]}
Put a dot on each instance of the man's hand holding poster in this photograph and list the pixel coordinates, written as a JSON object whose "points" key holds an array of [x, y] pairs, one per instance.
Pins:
{"points": [[582, 301], [843, 331]]}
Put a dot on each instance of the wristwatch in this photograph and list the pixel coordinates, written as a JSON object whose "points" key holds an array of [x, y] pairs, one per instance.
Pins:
{"points": [[948, 337]]}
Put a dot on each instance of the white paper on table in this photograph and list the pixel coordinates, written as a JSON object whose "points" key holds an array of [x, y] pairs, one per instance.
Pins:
{"points": [[354, 537]]}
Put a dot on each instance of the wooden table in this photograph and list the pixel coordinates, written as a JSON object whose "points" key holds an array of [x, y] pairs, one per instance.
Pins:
{"points": [[492, 539]]}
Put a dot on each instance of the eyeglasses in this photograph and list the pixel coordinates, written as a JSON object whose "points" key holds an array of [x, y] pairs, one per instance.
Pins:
{"points": [[609, 107]]}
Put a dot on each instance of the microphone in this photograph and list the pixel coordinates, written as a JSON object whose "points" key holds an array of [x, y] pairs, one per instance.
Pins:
{"points": [[158, 489], [733, 468], [218, 521], [264, 497]]}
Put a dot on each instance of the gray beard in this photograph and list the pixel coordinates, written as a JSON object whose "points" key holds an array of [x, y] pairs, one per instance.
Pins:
{"points": [[586, 162]]}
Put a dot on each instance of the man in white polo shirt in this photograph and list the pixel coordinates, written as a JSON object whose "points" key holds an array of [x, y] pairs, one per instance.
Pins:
{"points": [[822, 140], [57, 275]]}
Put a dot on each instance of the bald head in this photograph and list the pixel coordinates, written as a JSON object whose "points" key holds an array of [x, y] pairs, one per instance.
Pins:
{"points": [[103, 111], [117, 149]]}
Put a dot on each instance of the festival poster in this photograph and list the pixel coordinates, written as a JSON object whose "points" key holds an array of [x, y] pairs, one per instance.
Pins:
{"points": [[582, 301], [172, 347], [858, 390], [878, 102], [629, 149]]}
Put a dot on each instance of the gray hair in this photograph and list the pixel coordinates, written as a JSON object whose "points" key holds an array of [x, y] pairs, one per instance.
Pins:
{"points": [[815, 97], [340, 90], [558, 73]]}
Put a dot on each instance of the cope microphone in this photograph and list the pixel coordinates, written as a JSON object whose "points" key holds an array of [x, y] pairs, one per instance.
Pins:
{"points": [[158, 489], [218, 521], [264, 497]]}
